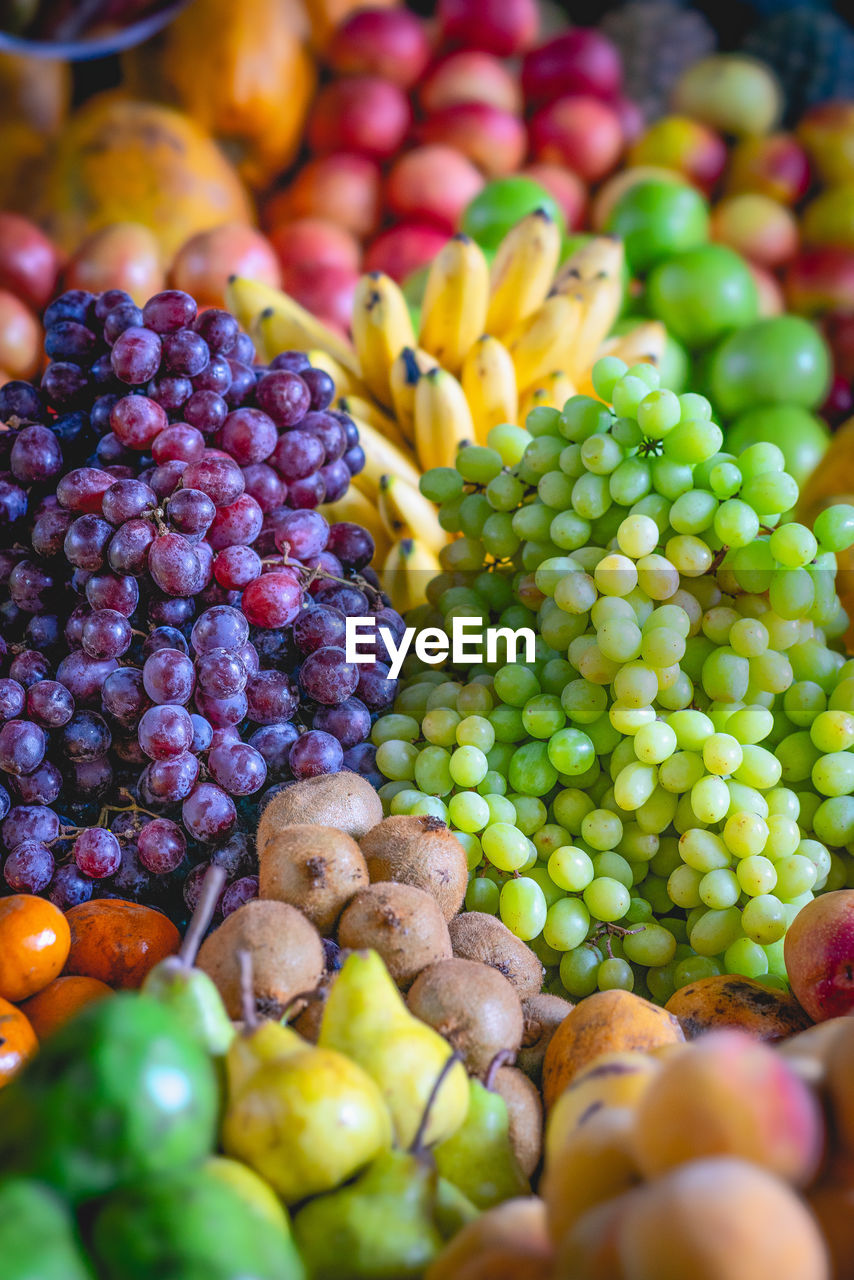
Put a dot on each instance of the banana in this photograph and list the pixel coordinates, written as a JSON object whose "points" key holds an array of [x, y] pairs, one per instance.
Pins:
{"points": [[405, 372], [381, 329], [382, 458], [346, 383], [543, 341], [408, 568], [443, 419], [553, 392], [369, 411], [406, 513], [489, 382], [522, 271], [599, 256], [642, 345], [281, 324], [358, 509], [601, 299], [453, 312]]}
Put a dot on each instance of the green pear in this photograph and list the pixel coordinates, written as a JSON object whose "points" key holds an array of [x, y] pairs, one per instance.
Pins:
{"points": [[381, 1227], [454, 1210], [479, 1158], [366, 1018], [187, 990]]}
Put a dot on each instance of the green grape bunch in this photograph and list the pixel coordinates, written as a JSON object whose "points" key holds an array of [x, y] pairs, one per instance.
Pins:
{"points": [[656, 796]]}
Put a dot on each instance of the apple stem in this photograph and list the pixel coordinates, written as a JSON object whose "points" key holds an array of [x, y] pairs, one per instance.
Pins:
{"points": [[202, 916]]}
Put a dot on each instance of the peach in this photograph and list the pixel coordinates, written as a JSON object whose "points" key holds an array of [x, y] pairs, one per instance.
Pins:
{"points": [[343, 186], [578, 61], [362, 113], [391, 43], [833, 1207], [776, 166], [492, 139], [308, 242], [730, 1095], [689, 147], [566, 187], [124, 255], [580, 132], [588, 1251], [20, 337], [594, 1162], [829, 218], [819, 953], [827, 132], [405, 248], [29, 261], [808, 1051], [203, 265], [757, 227], [730, 1000], [503, 27], [719, 1220], [516, 1226], [606, 1022], [770, 294], [325, 289], [821, 280], [469, 75], [434, 183], [611, 1080]]}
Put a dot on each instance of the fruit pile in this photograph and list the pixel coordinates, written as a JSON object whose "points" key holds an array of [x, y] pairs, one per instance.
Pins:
{"points": [[164, 552], [657, 795]]}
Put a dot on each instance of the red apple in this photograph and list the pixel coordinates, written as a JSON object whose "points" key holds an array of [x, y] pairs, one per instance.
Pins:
{"points": [[404, 249], [494, 140], [315, 242], [363, 114], [503, 27], [566, 187], [20, 337], [775, 165], [580, 132], [757, 227], [344, 187], [205, 262], [581, 60], [819, 952], [29, 262], [124, 255], [685, 145], [827, 132], [470, 75], [771, 300], [839, 403], [434, 184], [391, 43], [323, 289], [821, 280]]}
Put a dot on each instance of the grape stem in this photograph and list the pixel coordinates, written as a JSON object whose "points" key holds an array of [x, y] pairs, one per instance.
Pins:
{"points": [[606, 930]]}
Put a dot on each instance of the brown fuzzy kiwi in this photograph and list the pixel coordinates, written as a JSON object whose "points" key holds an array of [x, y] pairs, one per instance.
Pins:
{"points": [[287, 956], [420, 851], [478, 936], [316, 869], [543, 1015], [402, 923], [472, 1006], [343, 800], [525, 1112]]}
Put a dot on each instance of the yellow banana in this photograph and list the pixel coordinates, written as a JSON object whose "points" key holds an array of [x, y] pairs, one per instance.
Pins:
{"points": [[382, 458], [280, 324], [370, 411], [358, 509], [453, 312], [489, 382], [443, 419], [642, 345], [346, 382], [407, 570], [543, 341], [600, 256], [405, 372], [601, 299], [522, 271], [381, 329], [406, 513], [553, 392]]}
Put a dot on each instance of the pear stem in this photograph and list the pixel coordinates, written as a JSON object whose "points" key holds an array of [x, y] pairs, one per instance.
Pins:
{"points": [[502, 1059], [247, 992], [202, 916], [305, 996], [417, 1147]]}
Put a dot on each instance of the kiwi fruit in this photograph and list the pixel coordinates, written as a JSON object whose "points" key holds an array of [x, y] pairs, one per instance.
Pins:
{"points": [[344, 800], [525, 1113], [472, 1006], [421, 851], [287, 956], [478, 936], [316, 869], [402, 923], [543, 1015]]}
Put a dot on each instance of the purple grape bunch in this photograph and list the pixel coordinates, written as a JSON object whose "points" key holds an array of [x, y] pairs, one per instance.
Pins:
{"points": [[172, 604]]}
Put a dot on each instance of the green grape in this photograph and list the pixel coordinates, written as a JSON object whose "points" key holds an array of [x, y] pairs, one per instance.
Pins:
{"points": [[693, 512], [468, 766], [443, 694], [569, 808], [695, 969], [615, 974], [482, 894], [652, 946], [658, 413], [571, 868], [720, 889], [748, 637], [532, 771], [715, 930], [681, 771], [601, 454], [793, 545], [683, 887], [750, 725], [607, 372], [834, 527], [759, 768], [796, 875], [432, 771], [630, 482], [634, 785], [833, 731], [429, 807], [468, 811], [569, 531], [670, 477], [746, 957], [473, 848], [515, 684], [499, 537], [441, 484], [601, 829], [543, 715], [579, 970], [543, 421], [591, 496], [501, 809], [655, 742], [402, 801], [389, 790], [396, 759], [606, 899], [722, 754], [725, 480], [522, 907], [505, 846], [475, 731], [833, 774], [509, 441], [439, 726], [662, 983], [710, 799], [703, 850], [505, 492], [566, 924], [764, 919], [531, 813]]}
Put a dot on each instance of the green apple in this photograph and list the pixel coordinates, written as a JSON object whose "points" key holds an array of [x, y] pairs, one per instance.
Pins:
{"points": [[703, 294], [779, 360], [501, 204], [801, 435], [658, 219]]}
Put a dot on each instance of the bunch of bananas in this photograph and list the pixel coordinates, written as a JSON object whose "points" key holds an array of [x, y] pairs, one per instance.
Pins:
{"points": [[493, 343]]}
